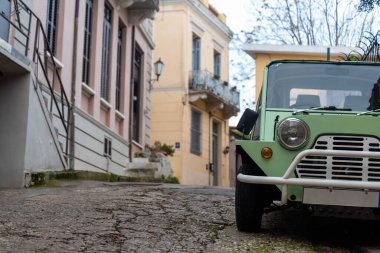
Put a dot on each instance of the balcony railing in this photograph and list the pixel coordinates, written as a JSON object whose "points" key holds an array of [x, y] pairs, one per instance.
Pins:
{"points": [[204, 81]]}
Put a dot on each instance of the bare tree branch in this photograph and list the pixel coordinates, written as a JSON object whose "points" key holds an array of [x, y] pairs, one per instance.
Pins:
{"points": [[308, 22]]}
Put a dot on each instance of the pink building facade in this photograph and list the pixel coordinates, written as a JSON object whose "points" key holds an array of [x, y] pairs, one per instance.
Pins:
{"points": [[103, 54]]}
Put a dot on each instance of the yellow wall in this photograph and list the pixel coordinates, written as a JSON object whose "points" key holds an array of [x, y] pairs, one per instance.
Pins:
{"points": [[263, 59], [167, 123], [174, 27]]}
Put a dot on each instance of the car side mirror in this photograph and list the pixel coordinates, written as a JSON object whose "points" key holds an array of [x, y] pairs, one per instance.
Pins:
{"points": [[247, 120]]}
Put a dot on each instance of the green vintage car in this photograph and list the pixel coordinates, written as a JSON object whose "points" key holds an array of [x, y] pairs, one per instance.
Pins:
{"points": [[314, 141]]}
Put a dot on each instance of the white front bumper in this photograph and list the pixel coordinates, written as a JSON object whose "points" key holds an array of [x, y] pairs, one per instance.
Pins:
{"points": [[325, 183]]}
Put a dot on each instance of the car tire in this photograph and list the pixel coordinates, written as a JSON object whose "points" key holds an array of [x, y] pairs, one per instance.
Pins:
{"points": [[250, 201]]}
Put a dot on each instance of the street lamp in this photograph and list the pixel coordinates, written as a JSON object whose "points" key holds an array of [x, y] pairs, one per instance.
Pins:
{"points": [[158, 67]]}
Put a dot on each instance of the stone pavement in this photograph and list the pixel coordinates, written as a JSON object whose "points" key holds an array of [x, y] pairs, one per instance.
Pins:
{"points": [[84, 216], [105, 217]]}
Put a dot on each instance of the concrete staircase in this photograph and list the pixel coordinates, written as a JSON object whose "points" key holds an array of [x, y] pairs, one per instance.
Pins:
{"points": [[149, 168], [29, 140]]}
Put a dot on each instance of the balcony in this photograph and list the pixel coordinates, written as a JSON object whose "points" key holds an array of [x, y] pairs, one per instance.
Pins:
{"points": [[139, 10], [214, 92]]}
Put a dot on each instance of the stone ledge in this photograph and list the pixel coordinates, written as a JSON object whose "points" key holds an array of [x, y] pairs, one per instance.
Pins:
{"points": [[55, 178]]}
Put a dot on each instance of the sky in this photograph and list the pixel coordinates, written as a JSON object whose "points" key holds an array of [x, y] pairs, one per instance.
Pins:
{"points": [[237, 17], [237, 20]]}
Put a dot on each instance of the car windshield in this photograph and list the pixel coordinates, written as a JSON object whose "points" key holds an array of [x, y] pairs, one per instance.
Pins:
{"points": [[313, 85]]}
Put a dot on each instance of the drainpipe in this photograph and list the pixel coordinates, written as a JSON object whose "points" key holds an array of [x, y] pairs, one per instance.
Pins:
{"points": [[131, 94], [73, 91], [328, 54], [210, 166]]}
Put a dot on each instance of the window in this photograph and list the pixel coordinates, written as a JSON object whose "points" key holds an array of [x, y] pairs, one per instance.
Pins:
{"points": [[136, 94], [217, 62], [87, 42], [196, 53], [299, 85], [195, 141], [107, 147], [119, 67], [300, 98], [106, 51], [52, 20], [5, 9]]}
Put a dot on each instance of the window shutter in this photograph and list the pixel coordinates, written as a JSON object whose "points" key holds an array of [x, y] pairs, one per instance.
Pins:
{"points": [[195, 141], [196, 53]]}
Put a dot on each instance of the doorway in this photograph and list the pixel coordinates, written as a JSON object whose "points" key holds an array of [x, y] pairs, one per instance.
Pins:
{"points": [[5, 9], [215, 152]]}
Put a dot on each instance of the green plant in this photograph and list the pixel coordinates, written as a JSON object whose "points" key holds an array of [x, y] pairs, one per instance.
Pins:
{"points": [[39, 179], [171, 180], [139, 155], [353, 58], [157, 147], [113, 178]]}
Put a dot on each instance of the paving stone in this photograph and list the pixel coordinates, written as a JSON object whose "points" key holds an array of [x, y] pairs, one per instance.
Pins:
{"points": [[120, 217]]}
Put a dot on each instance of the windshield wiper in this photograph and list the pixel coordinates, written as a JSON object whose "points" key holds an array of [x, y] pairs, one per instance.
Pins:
{"points": [[368, 112], [326, 108]]}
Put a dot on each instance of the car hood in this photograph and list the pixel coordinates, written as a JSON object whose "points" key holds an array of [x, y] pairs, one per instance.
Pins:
{"points": [[347, 124]]}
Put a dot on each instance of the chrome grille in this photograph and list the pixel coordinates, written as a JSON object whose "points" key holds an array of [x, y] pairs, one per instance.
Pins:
{"points": [[342, 168]]}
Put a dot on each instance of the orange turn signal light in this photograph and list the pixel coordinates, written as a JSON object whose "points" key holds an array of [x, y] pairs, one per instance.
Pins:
{"points": [[266, 153]]}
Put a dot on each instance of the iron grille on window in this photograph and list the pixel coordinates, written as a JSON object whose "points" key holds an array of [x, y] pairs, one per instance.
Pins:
{"points": [[195, 141], [196, 53], [87, 42], [52, 19], [106, 50], [118, 67]]}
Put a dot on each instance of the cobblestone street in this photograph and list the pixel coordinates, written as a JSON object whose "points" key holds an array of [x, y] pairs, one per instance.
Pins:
{"points": [[123, 217]]}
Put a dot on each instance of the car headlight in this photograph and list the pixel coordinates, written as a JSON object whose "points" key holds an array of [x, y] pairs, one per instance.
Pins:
{"points": [[293, 133]]}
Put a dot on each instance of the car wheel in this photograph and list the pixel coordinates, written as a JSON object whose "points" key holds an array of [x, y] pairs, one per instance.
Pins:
{"points": [[250, 201]]}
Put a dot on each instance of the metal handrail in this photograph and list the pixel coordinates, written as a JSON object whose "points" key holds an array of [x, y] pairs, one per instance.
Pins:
{"points": [[19, 6]]}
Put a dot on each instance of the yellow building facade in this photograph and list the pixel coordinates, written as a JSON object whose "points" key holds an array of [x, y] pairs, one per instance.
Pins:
{"points": [[263, 54], [192, 101]]}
